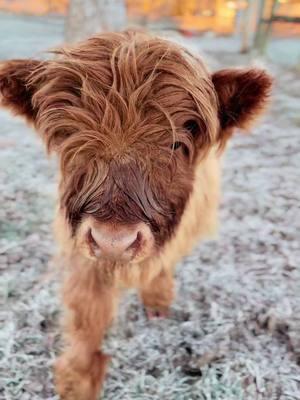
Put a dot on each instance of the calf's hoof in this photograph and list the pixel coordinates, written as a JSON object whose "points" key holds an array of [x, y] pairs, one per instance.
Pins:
{"points": [[157, 312], [76, 383]]}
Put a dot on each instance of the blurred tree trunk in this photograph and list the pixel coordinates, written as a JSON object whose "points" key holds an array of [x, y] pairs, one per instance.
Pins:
{"points": [[86, 17], [248, 24]]}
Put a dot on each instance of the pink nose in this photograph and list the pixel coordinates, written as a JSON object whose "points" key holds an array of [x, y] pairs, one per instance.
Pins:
{"points": [[117, 242]]}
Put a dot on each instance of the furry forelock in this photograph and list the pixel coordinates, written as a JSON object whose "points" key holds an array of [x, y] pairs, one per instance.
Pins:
{"points": [[126, 85]]}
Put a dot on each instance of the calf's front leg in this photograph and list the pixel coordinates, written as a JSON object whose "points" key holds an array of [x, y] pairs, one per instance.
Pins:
{"points": [[80, 370], [158, 294]]}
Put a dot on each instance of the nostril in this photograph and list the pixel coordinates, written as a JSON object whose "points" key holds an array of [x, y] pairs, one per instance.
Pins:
{"points": [[136, 243], [91, 240]]}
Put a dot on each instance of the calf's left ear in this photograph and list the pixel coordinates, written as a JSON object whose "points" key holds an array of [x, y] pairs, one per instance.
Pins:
{"points": [[17, 87], [242, 96]]}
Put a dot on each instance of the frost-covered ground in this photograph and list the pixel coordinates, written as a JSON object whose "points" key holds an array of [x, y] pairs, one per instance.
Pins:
{"points": [[234, 329]]}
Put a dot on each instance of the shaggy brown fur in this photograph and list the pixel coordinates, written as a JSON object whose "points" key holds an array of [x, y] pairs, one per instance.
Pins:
{"points": [[139, 126]]}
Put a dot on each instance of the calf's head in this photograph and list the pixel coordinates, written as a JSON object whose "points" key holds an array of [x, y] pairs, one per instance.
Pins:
{"points": [[130, 117]]}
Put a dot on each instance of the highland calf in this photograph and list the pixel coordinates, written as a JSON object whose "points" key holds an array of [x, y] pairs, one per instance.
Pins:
{"points": [[139, 126]]}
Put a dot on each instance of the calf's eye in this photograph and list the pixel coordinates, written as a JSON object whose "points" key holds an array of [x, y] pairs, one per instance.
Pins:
{"points": [[192, 127], [175, 145]]}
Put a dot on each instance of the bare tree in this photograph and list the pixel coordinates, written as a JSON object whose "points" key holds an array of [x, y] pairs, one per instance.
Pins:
{"points": [[86, 17]]}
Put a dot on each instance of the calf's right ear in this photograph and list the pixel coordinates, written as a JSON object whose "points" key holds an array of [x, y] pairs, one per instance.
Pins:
{"points": [[17, 86]]}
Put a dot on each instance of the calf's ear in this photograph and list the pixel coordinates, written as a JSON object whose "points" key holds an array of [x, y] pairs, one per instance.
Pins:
{"points": [[242, 95], [17, 87]]}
